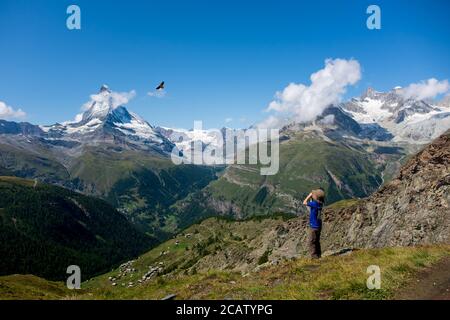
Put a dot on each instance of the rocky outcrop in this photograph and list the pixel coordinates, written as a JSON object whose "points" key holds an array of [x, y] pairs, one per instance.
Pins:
{"points": [[412, 209]]}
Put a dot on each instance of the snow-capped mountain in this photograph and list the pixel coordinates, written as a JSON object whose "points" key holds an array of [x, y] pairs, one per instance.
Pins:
{"points": [[105, 121], [409, 120], [188, 142], [377, 116]]}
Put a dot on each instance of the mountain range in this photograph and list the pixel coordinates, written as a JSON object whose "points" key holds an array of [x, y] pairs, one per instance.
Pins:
{"points": [[108, 152], [112, 153]]}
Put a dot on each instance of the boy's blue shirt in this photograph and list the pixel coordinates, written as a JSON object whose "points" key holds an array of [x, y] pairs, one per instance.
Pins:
{"points": [[315, 220]]}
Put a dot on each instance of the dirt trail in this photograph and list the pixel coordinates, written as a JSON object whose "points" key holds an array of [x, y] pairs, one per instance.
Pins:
{"points": [[430, 284]]}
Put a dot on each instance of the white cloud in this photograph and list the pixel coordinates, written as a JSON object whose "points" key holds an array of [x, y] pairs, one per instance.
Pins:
{"points": [[302, 103], [8, 112], [78, 117], [425, 89], [122, 98], [228, 120], [110, 98], [161, 93], [273, 122]]}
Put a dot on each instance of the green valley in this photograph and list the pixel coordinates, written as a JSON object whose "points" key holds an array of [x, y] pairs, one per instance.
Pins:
{"points": [[345, 169], [140, 184]]}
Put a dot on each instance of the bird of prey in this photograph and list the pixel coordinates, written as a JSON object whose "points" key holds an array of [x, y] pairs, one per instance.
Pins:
{"points": [[161, 86]]}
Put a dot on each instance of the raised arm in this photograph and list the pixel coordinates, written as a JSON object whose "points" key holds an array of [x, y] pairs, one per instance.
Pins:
{"points": [[305, 202]]}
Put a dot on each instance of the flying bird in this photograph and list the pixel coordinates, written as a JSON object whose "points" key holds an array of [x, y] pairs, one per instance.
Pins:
{"points": [[161, 86]]}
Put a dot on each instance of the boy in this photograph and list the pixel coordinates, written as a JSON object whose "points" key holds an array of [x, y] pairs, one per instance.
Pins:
{"points": [[315, 221]]}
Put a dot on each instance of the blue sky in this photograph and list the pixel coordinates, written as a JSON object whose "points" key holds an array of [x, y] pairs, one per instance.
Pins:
{"points": [[219, 59]]}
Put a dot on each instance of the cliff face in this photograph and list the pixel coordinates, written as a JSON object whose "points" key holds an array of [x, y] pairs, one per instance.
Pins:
{"points": [[412, 209]]}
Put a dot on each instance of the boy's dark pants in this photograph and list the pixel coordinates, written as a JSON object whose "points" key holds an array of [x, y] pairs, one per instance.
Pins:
{"points": [[314, 243]]}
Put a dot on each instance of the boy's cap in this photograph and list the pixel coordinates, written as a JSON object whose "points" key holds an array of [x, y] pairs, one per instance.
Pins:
{"points": [[319, 194]]}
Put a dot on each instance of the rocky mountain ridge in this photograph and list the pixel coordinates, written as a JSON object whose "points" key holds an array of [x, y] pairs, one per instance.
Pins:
{"points": [[407, 119]]}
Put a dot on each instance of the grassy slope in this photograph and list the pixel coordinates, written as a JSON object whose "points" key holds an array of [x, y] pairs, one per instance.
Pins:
{"points": [[27, 164], [198, 242], [140, 184], [28, 287], [104, 168], [332, 278], [341, 277], [197, 266]]}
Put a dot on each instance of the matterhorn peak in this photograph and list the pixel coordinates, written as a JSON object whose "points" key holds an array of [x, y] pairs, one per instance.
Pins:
{"points": [[104, 88], [106, 119]]}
